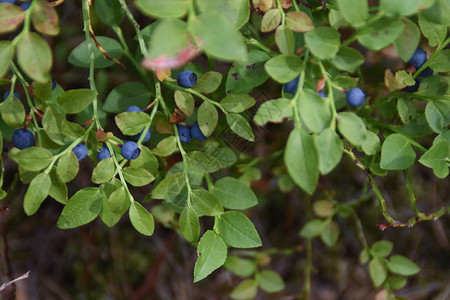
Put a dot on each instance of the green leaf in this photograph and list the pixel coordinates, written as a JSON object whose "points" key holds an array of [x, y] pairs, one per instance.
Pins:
{"points": [[284, 38], [81, 208], [283, 68], [352, 128], [166, 146], [329, 147], [395, 8], [323, 42], [171, 191], [30, 46], [168, 39], [126, 95], [378, 272], [246, 290], [207, 118], [219, 37], [131, 123], [103, 171], [244, 76], [441, 62], [13, 112], [45, 18], [162, 8], [185, 102], [146, 160], [270, 281], [53, 123], [401, 265], [118, 201], [75, 101], [237, 103], [348, 59], [208, 82], [67, 167], [11, 16], [315, 112], [203, 162], [436, 158], [239, 125], [439, 12], [204, 203], [330, 233], [435, 33], [354, 11], [381, 248], [396, 283], [236, 11], [58, 189], [141, 219], [36, 193], [313, 228], [299, 21], [238, 231], [137, 176], [302, 161], [240, 266], [371, 144], [108, 217], [407, 42], [406, 110], [212, 253], [397, 153], [34, 158], [80, 56], [234, 194], [109, 11], [270, 20], [6, 53], [274, 111], [189, 225], [381, 33]]}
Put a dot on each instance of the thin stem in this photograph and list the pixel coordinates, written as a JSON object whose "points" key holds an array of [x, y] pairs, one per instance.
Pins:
{"points": [[119, 172], [185, 166], [381, 200], [136, 27], [412, 197], [254, 42], [283, 16], [330, 95]]}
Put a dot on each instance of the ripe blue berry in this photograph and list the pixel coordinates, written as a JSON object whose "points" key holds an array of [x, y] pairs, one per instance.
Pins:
{"points": [[196, 133], [80, 151], [130, 150], [137, 136], [22, 138], [184, 133], [6, 94], [322, 94], [291, 86], [419, 58], [187, 79], [426, 72], [355, 97], [133, 108], [25, 5], [415, 87], [103, 153]]}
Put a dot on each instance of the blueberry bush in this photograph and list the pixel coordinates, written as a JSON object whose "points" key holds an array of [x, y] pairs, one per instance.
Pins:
{"points": [[191, 116]]}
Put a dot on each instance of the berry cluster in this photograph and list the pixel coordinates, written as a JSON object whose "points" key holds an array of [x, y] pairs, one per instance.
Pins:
{"points": [[187, 133], [417, 60]]}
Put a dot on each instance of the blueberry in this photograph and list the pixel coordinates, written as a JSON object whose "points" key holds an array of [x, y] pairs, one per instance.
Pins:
{"points": [[196, 133], [415, 87], [103, 153], [25, 5], [130, 150], [426, 72], [187, 79], [184, 133], [7, 1], [355, 97], [80, 151], [322, 94], [137, 136], [419, 58], [22, 138], [133, 108], [6, 94], [291, 86]]}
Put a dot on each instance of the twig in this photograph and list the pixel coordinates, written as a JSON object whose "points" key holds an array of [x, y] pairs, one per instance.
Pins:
{"points": [[3, 286]]}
